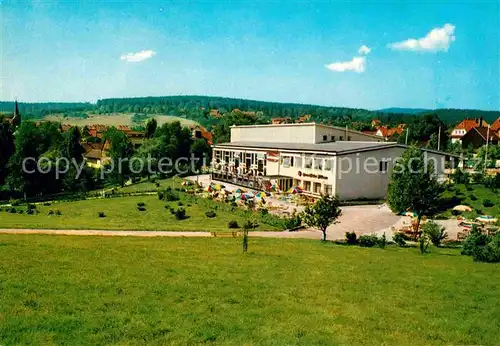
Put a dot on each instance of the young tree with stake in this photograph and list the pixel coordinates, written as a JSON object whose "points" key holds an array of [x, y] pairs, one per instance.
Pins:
{"points": [[322, 214]]}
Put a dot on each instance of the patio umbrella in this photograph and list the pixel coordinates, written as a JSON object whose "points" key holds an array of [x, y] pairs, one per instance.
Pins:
{"points": [[295, 189], [239, 190], [218, 187], [462, 208], [187, 182], [209, 188], [486, 219], [275, 187], [262, 194]]}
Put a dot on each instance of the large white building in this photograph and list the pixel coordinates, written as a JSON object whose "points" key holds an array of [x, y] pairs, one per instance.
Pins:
{"points": [[320, 159]]}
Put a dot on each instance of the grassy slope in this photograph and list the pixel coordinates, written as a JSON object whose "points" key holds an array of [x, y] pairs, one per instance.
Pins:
{"points": [[89, 290], [481, 193], [116, 119], [122, 214]]}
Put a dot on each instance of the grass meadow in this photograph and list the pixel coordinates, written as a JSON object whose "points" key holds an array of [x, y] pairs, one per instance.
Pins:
{"points": [[179, 291], [122, 213], [475, 197]]}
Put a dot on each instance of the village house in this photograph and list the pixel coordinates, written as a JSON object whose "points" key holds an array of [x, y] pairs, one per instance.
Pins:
{"points": [[96, 154], [479, 136], [390, 134], [199, 132], [318, 158], [465, 126]]}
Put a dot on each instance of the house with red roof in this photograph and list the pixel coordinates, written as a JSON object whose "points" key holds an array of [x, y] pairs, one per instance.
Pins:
{"points": [[479, 136], [389, 133], [464, 127]]}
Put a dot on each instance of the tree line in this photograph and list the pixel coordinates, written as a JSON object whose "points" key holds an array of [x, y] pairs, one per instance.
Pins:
{"points": [[45, 145]]}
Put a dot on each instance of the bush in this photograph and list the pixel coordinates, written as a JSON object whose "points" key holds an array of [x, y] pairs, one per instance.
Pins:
{"points": [[180, 214], [382, 241], [13, 210], [180, 204], [489, 253], [141, 208], [51, 212], [473, 198], [474, 241], [20, 211], [233, 224], [250, 225], [368, 240], [264, 211], [456, 212], [434, 232], [58, 212], [31, 207], [210, 214], [161, 195], [141, 204], [400, 238], [30, 211], [292, 222], [487, 203], [47, 204], [101, 214], [170, 196], [351, 238], [15, 203]]}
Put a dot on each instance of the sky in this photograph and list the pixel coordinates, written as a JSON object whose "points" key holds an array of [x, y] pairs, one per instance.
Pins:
{"points": [[360, 54]]}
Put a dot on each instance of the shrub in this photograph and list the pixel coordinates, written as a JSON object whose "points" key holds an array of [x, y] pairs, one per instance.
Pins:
{"points": [[20, 211], [30, 211], [13, 210], [161, 195], [101, 214], [47, 204], [180, 204], [475, 240], [233, 224], [487, 203], [264, 211], [400, 238], [141, 208], [58, 212], [473, 198], [15, 203], [141, 204], [210, 214], [382, 241], [51, 212], [434, 232], [180, 214], [488, 253], [250, 225], [31, 207], [170, 196], [456, 212], [351, 238], [368, 240], [292, 222]]}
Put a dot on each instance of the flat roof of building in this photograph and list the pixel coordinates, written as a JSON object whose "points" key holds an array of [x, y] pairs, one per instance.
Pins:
{"points": [[339, 147]]}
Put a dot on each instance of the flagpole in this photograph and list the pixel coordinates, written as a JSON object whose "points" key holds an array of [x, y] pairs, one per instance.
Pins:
{"points": [[487, 141]]}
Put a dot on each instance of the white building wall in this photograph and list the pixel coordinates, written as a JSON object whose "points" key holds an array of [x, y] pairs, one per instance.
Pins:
{"points": [[359, 175], [288, 133], [297, 133]]}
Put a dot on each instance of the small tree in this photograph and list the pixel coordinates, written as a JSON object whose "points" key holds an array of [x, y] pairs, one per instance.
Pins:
{"points": [[434, 232], [414, 185], [322, 214], [249, 225]]}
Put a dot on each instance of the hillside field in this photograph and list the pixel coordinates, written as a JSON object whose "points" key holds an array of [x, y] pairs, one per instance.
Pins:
{"points": [[180, 291], [116, 119]]}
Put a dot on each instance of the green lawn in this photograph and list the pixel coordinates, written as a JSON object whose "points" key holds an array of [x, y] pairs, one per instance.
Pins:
{"points": [[122, 214], [474, 197], [100, 290]]}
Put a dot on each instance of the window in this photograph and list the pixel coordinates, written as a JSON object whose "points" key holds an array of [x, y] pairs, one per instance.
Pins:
{"points": [[308, 162], [333, 138], [383, 166], [325, 138], [348, 138], [317, 188], [288, 161], [328, 190], [318, 164], [298, 162], [328, 164], [341, 138], [307, 185]]}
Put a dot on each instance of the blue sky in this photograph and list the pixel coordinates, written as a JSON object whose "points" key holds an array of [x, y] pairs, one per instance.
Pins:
{"points": [[274, 51]]}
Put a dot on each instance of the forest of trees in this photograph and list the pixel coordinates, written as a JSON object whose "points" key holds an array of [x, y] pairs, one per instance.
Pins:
{"points": [[198, 108]]}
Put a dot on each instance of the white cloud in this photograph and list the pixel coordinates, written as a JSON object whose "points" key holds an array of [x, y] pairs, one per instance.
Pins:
{"points": [[438, 39], [364, 50], [139, 56], [357, 64]]}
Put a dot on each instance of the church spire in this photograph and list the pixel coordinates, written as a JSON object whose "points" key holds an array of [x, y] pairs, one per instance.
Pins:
{"points": [[16, 119]]}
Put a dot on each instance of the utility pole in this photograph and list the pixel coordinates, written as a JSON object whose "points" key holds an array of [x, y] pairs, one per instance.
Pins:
{"points": [[486, 153], [439, 138], [407, 131], [346, 133]]}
